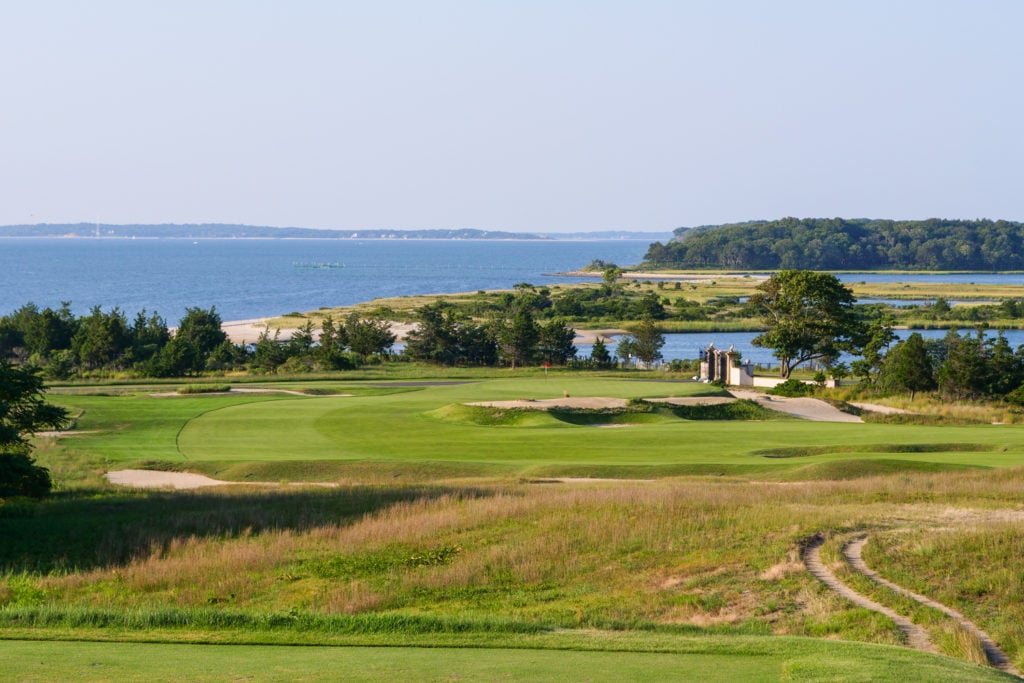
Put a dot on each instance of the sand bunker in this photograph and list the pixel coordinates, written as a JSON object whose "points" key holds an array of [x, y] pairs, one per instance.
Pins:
{"points": [[805, 408], [588, 402], [151, 479]]}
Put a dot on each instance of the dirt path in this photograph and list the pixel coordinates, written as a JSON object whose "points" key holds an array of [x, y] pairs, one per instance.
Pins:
{"points": [[996, 657], [917, 637]]}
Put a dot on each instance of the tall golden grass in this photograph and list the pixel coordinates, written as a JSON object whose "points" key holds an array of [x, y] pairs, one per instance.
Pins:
{"points": [[690, 553]]}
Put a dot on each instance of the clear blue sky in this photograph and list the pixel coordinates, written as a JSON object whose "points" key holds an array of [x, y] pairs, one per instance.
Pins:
{"points": [[547, 115]]}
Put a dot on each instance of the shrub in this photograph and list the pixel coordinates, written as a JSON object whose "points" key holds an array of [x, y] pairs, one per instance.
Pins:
{"points": [[792, 388], [20, 476], [204, 388]]}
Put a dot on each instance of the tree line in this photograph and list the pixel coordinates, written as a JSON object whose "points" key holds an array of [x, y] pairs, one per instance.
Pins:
{"points": [[518, 329], [846, 244], [811, 317], [63, 345]]}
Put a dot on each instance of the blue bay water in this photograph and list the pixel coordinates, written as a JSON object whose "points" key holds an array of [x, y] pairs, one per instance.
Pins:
{"points": [[259, 278]]}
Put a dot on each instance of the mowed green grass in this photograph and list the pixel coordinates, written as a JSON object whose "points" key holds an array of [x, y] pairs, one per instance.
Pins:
{"points": [[420, 425], [703, 659]]}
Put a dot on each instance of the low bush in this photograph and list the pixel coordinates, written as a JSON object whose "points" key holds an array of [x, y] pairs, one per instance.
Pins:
{"points": [[793, 388], [204, 389]]}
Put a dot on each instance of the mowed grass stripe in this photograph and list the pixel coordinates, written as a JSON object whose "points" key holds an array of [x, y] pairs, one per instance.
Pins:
{"points": [[284, 429], [705, 659]]}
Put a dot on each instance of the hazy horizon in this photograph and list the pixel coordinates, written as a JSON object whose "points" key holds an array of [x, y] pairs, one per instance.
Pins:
{"points": [[521, 117]]}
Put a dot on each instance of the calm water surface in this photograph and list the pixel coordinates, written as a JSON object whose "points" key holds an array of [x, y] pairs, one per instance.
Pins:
{"points": [[255, 278]]}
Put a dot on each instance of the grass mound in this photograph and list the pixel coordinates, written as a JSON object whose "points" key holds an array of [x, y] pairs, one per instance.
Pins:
{"points": [[338, 471], [857, 469], [742, 409], [485, 416], [807, 451]]}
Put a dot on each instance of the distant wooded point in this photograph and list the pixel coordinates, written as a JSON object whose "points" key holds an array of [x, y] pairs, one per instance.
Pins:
{"points": [[845, 244]]}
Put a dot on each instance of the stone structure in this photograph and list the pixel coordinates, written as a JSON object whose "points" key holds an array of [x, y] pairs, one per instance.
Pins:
{"points": [[725, 366]]}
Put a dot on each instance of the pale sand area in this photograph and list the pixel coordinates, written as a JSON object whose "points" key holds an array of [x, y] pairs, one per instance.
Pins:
{"points": [[805, 408], [248, 331], [589, 402], [153, 479], [879, 408]]}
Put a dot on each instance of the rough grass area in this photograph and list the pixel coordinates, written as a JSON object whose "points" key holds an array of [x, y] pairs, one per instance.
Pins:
{"points": [[450, 524]]}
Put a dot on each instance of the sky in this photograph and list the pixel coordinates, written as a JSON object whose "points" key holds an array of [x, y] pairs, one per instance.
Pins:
{"points": [[523, 115]]}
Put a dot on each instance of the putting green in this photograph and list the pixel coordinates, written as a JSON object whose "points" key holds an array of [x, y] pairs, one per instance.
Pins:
{"points": [[413, 427]]}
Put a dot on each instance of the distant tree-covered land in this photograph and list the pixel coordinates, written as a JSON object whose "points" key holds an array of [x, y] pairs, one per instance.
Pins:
{"points": [[230, 231], [846, 244]]}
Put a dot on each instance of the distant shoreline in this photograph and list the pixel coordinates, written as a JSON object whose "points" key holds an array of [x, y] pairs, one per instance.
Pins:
{"points": [[185, 238]]}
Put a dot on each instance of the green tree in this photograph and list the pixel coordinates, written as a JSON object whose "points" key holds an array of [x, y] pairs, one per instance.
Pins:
{"points": [[268, 352], [518, 337], [555, 344], [301, 343], [331, 354], [199, 334], [599, 354], [624, 349], [436, 337], [907, 367], [809, 317], [963, 372], [149, 334], [23, 412], [647, 341], [367, 337], [101, 339]]}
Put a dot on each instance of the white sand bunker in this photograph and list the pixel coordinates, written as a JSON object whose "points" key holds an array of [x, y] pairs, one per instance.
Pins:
{"points": [[805, 408], [693, 400], [152, 479], [588, 402]]}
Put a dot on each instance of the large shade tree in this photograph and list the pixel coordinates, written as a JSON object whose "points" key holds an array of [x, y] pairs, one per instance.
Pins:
{"points": [[809, 317]]}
